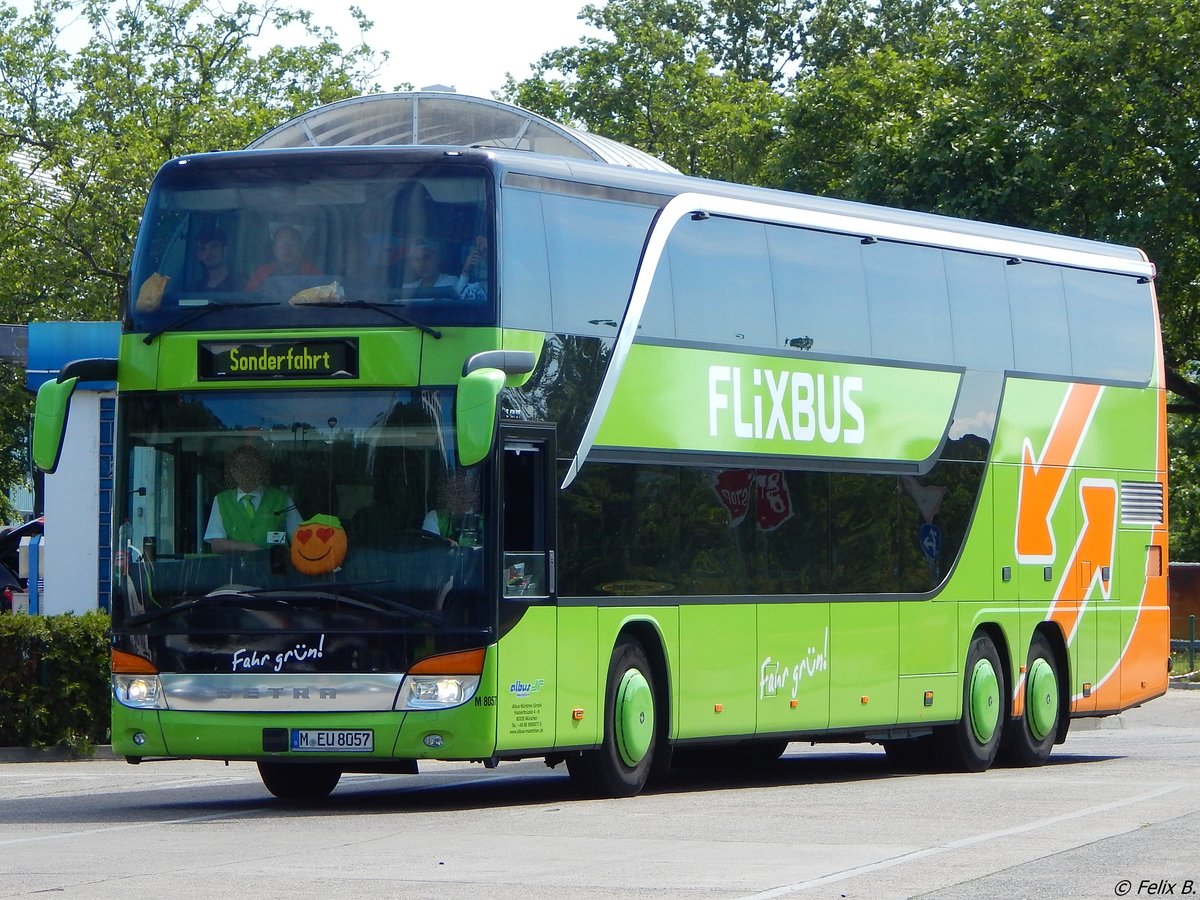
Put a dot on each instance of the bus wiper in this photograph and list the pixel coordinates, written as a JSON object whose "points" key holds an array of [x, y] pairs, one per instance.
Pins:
{"points": [[218, 596], [198, 313], [380, 307], [346, 592]]}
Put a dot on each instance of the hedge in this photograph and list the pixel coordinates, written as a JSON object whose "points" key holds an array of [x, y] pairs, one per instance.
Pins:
{"points": [[54, 680]]}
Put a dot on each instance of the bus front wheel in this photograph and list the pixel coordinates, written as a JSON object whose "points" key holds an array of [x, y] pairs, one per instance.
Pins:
{"points": [[620, 765], [293, 781], [971, 744], [1029, 739]]}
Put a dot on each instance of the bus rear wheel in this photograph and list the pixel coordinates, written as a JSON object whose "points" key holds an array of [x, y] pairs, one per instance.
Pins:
{"points": [[1029, 739], [621, 764], [294, 781], [971, 744]]}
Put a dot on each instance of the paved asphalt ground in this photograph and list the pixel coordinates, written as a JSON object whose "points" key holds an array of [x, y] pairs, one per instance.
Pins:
{"points": [[1116, 813]]}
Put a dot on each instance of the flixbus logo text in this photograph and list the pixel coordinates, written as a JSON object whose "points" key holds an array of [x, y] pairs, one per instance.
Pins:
{"points": [[790, 406]]}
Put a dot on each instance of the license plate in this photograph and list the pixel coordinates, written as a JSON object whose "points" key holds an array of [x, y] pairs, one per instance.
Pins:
{"points": [[332, 740]]}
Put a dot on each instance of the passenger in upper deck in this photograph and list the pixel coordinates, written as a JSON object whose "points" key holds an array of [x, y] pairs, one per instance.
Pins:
{"points": [[212, 249], [475, 265], [287, 248], [423, 270]]}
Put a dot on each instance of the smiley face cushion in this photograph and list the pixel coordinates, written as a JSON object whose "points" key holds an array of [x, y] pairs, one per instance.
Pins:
{"points": [[319, 545]]}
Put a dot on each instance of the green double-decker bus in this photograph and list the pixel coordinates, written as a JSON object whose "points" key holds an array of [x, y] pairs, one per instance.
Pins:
{"points": [[450, 452]]}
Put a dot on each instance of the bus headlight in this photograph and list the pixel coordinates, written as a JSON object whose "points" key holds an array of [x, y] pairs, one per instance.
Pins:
{"points": [[442, 681], [436, 691], [138, 691]]}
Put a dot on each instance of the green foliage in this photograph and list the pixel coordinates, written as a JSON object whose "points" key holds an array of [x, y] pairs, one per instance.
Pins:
{"points": [[1183, 447], [157, 79], [54, 680], [1070, 116], [1075, 116], [689, 82]]}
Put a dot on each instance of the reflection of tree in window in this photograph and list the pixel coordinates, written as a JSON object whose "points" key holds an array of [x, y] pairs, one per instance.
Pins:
{"points": [[847, 533], [564, 390], [592, 531]]}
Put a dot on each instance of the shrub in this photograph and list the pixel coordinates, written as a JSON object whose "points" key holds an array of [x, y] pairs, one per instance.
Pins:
{"points": [[54, 680]]}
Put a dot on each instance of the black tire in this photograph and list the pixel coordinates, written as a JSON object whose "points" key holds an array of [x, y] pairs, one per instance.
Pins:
{"points": [[1029, 739], [621, 764], [972, 743], [298, 781]]}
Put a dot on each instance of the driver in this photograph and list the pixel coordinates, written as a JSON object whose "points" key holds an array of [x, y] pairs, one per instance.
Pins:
{"points": [[244, 515], [451, 509]]}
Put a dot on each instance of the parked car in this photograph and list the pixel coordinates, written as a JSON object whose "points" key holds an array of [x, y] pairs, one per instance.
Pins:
{"points": [[10, 556]]}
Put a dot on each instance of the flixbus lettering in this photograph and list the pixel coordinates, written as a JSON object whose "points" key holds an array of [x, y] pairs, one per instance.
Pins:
{"points": [[789, 406]]}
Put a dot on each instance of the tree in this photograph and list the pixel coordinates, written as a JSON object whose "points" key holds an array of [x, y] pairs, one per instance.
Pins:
{"points": [[688, 81], [83, 132], [1072, 116], [1068, 116]]}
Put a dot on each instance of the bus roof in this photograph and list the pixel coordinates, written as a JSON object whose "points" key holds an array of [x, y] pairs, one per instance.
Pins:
{"points": [[673, 184], [445, 118], [522, 141]]}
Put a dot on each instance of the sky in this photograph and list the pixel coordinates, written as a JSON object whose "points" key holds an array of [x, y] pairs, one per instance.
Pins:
{"points": [[466, 44]]}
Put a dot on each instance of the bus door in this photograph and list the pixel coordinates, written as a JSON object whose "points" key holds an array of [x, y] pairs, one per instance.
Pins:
{"points": [[527, 659]]}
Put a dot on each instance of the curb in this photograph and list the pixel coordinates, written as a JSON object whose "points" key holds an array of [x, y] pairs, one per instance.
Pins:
{"points": [[54, 754]]}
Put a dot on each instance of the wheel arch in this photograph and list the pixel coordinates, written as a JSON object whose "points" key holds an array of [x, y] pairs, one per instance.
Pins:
{"points": [[647, 633], [998, 638]]}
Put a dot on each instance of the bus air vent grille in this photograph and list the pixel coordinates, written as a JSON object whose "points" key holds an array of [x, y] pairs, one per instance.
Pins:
{"points": [[1141, 503]]}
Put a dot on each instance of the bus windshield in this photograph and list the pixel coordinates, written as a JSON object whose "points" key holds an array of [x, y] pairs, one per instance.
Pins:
{"points": [[309, 242], [276, 512]]}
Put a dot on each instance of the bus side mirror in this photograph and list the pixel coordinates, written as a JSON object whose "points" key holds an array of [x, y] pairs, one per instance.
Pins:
{"points": [[50, 422], [475, 413], [54, 402]]}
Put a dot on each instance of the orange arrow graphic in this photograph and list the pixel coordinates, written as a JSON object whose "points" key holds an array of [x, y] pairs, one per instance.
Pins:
{"points": [[1140, 673], [1092, 557], [1090, 561], [1042, 480]]}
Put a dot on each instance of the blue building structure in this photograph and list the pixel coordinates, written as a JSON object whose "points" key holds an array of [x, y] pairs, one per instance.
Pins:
{"points": [[70, 568]]}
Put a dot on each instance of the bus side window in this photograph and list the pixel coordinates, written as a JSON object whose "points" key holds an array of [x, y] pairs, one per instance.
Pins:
{"points": [[528, 559]]}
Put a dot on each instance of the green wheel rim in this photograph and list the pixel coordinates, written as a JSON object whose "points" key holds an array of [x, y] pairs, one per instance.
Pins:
{"points": [[1041, 699], [634, 717], [983, 699]]}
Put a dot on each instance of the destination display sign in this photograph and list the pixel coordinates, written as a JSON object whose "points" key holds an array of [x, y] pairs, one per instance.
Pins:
{"points": [[257, 360]]}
